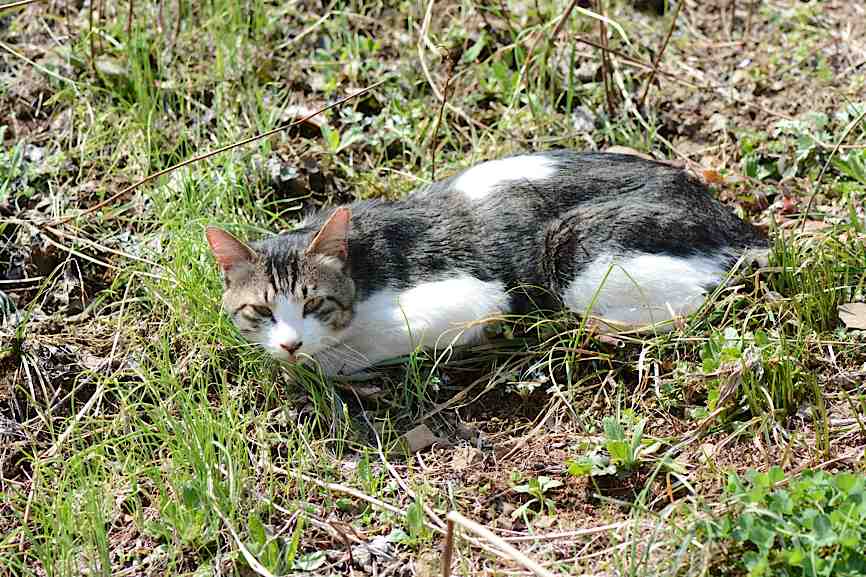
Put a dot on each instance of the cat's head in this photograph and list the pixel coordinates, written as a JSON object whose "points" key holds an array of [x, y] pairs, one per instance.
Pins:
{"points": [[291, 294]]}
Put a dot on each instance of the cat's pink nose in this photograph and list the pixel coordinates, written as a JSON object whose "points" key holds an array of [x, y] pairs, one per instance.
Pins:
{"points": [[291, 348]]}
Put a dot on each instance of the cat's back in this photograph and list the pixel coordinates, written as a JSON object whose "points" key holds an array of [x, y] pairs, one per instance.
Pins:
{"points": [[512, 196], [556, 177]]}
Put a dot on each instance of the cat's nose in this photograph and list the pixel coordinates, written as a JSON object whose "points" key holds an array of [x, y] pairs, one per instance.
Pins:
{"points": [[291, 348]]}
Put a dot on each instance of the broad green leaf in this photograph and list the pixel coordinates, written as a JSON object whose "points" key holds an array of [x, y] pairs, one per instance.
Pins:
{"points": [[613, 429], [846, 482], [256, 529], [619, 452], [311, 561], [793, 556]]}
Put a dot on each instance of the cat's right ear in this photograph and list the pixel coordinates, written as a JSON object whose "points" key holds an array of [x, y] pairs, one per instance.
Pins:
{"points": [[333, 238], [233, 256]]}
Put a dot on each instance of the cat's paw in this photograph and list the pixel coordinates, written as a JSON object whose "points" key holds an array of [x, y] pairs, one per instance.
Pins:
{"points": [[360, 384], [357, 377]]}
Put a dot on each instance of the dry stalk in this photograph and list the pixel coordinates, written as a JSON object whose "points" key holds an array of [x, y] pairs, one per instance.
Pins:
{"points": [[177, 21], [251, 560], [91, 39], [96, 397], [424, 40], [733, 17], [452, 64], [448, 549], [129, 17], [563, 18], [339, 488], [659, 55], [753, 5], [399, 479], [605, 64], [94, 260], [19, 4], [27, 508], [46, 71], [569, 534], [310, 29], [636, 62], [630, 107], [103, 248], [506, 550]]}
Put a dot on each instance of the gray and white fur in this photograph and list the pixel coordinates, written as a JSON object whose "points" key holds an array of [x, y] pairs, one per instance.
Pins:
{"points": [[627, 239]]}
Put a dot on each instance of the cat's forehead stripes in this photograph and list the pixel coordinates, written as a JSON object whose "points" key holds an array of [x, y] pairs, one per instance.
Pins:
{"points": [[479, 181], [285, 273]]}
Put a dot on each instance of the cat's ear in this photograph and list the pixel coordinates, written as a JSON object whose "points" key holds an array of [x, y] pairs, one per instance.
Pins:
{"points": [[333, 238], [232, 255]]}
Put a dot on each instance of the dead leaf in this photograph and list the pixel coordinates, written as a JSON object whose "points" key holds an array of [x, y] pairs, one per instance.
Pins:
{"points": [[543, 522], [707, 452], [853, 315], [465, 457], [789, 205], [109, 66], [90, 361], [294, 113], [711, 176], [816, 225]]}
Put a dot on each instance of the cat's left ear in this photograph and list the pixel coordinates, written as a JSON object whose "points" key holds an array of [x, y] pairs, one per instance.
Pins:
{"points": [[333, 238], [234, 257]]}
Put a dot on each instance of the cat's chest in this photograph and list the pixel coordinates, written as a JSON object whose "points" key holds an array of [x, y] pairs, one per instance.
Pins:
{"points": [[434, 313]]}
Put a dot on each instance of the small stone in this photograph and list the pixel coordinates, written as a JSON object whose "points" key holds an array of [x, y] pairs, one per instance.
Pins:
{"points": [[110, 66], [33, 153], [466, 432], [419, 438], [718, 122], [853, 315], [380, 546], [583, 120], [708, 452]]}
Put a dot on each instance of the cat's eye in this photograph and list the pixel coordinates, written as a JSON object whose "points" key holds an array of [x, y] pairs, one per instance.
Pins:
{"points": [[312, 305], [263, 311]]}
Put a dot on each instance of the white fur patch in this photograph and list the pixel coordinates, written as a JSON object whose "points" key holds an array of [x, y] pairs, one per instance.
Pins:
{"points": [[287, 330], [641, 289], [434, 314], [479, 181], [292, 328]]}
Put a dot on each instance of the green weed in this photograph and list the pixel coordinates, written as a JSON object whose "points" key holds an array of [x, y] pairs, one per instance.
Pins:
{"points": [[814, 525]]}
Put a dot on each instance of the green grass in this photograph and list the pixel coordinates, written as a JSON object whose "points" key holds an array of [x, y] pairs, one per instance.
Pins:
{"points": [[143, 436]]}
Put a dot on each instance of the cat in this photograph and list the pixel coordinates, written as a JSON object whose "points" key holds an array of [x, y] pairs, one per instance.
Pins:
{"points": [[622, 237]]}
